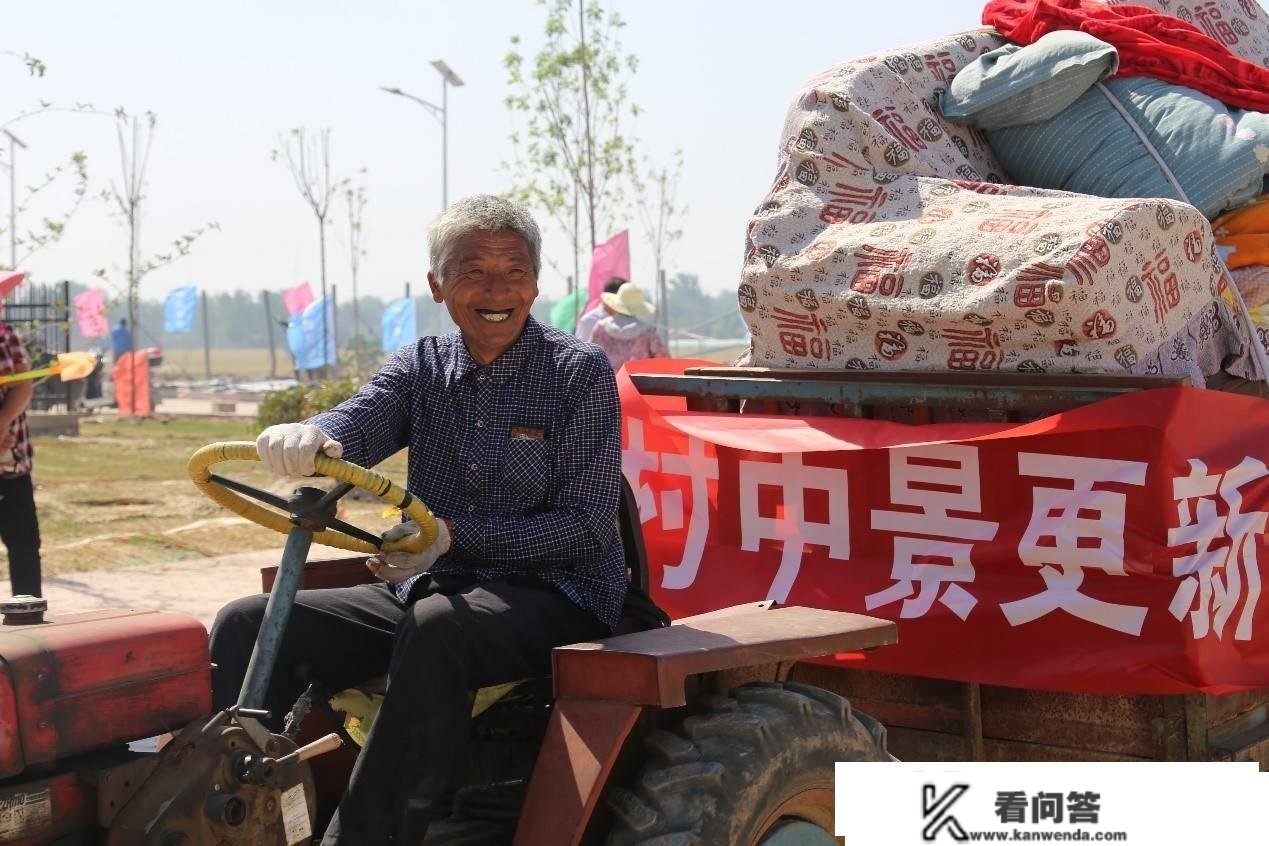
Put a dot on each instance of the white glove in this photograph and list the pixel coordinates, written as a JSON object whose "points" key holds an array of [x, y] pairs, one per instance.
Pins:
{"points": [[398, 566], [288, 449]]}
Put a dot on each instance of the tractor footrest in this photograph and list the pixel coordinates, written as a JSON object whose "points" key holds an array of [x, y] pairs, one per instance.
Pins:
{"points": [[650, 667]]}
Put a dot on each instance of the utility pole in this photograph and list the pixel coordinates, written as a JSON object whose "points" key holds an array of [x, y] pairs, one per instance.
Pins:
{"points": [[14, 143]]}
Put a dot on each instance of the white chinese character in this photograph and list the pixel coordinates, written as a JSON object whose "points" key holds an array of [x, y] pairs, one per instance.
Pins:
{"points": [[700, 469], [937, 479], [790, 525], [1214, 574], [1074, 529], [634, 460]]}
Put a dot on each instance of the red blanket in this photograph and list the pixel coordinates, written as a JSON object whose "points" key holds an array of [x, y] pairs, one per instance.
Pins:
{"points": [[1149, 44]]}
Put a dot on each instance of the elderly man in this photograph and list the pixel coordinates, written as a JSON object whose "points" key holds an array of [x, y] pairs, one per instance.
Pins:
{"points": [[515, 442]]}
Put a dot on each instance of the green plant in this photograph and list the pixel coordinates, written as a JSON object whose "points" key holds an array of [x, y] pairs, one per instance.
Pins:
{"points": [[291, 405]]}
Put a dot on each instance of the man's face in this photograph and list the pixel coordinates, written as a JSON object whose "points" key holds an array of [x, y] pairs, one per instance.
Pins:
{"points": [[488, 284]]}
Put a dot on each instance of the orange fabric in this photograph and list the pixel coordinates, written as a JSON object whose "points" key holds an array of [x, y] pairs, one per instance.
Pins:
{"points": [[1250, 219], [1246, 229], [1248, 249]]}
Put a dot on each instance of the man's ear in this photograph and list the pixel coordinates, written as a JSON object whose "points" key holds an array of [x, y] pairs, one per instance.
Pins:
{"points": [[435, 285]]}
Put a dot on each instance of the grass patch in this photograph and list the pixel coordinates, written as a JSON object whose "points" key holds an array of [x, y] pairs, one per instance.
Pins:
{"points": [[119, 495]]}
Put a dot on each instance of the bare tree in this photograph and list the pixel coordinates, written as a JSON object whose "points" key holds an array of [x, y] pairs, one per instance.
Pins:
{"points": [[307, 156], [135, 135], [660, 214], [355, 197]]}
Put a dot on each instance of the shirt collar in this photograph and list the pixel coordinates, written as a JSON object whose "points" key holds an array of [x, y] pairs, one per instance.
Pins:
{"points": [[507, 364]]}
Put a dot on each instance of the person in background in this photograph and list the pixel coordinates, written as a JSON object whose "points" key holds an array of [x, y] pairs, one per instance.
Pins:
{"points": [[18, 527], [623, 333], [586, 323], [120, 339]]}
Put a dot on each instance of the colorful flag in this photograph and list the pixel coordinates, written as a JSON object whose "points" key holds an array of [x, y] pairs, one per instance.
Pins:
{"points": [[90, 313], [9, 280], [304, 336], [298, 298], [564, 314], [179, 309], [398, 324], [611, 258]]}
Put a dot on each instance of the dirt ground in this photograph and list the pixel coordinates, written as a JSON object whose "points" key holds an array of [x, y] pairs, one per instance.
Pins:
{"points": [[198, 587], [122, 526]]}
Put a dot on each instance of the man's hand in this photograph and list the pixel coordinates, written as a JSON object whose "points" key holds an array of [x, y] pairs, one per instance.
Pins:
{"points": [[398, 566], [288, 449]]}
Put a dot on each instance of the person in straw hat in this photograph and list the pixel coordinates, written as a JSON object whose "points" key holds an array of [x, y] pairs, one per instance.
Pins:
{"points": [[623, 333]]}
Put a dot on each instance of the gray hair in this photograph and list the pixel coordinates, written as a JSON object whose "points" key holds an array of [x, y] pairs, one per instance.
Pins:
{"points": [[482, 213]]}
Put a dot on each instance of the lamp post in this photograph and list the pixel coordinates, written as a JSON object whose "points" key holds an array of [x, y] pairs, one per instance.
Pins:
{"points": [[14, 143], [441, 113]]}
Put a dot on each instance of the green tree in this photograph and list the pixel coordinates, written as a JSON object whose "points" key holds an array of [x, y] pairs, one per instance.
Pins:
{"points": [[573, 158], [50, 228]]}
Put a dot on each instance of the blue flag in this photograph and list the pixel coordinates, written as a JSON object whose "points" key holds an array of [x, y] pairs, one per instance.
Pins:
{"points": [[179, 309], [304, 336], [398, 324]]}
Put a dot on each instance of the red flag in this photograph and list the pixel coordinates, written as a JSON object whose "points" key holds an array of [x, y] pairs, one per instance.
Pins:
{"points": [[611, 258], [298, 298], [10, 280], [90, 313]]}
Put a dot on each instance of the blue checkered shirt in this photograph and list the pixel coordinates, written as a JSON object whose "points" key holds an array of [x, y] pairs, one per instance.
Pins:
{"points": [[523, 456]]}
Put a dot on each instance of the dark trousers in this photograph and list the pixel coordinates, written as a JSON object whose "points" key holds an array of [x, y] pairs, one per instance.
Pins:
{"points": [[20, 532], [455, 637]]}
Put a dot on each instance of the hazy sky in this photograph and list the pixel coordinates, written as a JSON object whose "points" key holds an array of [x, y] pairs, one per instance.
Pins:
{"points": [[225, 77]]}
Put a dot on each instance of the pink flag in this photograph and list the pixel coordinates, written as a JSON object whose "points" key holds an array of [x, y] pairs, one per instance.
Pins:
{"points": [[90, 313], [611, 258], [298, 298], [9, 280]]}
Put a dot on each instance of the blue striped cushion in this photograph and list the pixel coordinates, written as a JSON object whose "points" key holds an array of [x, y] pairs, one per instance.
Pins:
{"points": [[1214, 153]]}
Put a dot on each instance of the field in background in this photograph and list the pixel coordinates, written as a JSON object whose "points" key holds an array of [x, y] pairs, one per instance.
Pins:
{"points": [[253, 363], [119, 495], [236, 362]]}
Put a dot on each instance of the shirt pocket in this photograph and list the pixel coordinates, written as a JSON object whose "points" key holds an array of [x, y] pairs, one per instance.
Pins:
{"points": [[523, 478]]}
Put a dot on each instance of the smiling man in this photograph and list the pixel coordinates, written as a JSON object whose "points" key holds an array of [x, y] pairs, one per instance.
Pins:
{"points": [[515, 444]]}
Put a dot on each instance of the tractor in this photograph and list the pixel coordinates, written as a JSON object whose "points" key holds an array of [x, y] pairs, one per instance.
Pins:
{"points": [[687, 733]]}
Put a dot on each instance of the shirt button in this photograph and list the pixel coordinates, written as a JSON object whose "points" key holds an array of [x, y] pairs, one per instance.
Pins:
{"points": [[475, 467], [480, 377], [480, 424], [471, 508]]}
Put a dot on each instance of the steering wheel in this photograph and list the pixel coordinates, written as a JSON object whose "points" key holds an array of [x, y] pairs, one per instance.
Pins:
{"points": [[315, 512]]}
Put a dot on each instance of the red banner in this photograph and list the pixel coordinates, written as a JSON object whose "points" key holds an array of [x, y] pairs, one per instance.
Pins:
{"points": [[1114, 548]]}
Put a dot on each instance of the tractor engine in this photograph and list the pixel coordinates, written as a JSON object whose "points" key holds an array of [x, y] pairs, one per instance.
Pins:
{"points": [[75, 690]]}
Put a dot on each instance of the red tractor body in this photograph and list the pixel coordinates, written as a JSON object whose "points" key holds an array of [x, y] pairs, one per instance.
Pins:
{"points": [[74, 691]]}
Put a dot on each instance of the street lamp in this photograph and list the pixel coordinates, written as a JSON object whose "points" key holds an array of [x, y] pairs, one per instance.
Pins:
{"points": [[441, 113], [14, 143]]}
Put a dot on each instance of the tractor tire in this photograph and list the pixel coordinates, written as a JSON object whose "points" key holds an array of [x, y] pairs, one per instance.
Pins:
{"points": [[743, 767]]}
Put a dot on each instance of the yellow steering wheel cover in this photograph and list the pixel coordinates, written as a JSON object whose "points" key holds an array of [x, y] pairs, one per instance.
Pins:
{"points": [[200, 464]]}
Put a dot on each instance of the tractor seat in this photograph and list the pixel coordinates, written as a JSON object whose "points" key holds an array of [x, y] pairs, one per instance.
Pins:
{"points": [[639, 613]]}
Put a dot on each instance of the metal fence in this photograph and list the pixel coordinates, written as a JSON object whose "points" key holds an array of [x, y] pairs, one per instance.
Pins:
{"points": [[42, 316]]}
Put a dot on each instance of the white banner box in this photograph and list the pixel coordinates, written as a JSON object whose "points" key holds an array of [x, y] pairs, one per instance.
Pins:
{"points": [[1147, 802]]}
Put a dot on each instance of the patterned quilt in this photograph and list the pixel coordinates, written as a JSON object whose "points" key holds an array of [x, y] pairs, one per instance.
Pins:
{"points": [[888, 241]]}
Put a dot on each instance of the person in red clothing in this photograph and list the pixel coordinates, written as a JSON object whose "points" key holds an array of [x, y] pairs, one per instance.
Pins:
{"points": [[19, 529], [1150, 44]]}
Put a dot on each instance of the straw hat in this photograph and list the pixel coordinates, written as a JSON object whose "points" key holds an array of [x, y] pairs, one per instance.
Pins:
{"points": [[629, 301]]}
